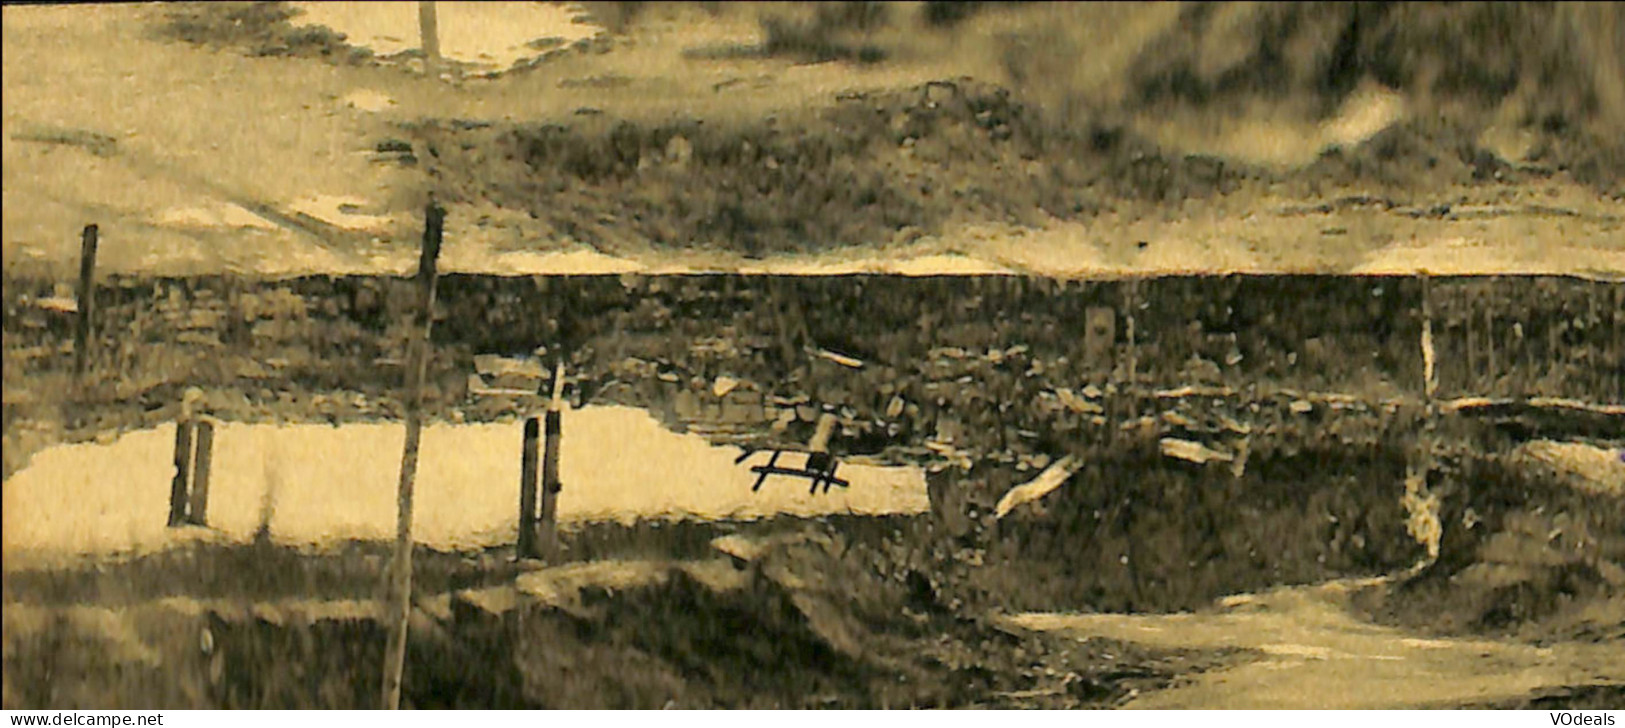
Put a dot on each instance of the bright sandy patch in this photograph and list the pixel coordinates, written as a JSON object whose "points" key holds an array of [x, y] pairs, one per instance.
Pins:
{"points": [[1597, 469], [486, 34], [576, 261], [1460, 255], [327, 484], [1367, 112], [343, 211], [367, 99], [214, 215]]}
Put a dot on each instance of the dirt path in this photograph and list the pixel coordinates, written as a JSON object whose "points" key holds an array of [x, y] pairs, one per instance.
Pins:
{"points": [[1317, 656]]}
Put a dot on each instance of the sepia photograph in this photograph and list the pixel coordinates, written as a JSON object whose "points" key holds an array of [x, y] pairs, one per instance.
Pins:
{"points": [[743, 356]]}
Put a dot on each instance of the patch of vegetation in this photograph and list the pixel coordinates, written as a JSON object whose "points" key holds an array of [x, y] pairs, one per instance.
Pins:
{"points": [[832, 32], [258, 29], [868, 170], [1550, 69]]}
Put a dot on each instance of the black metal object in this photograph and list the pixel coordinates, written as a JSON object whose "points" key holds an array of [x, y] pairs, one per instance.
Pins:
{"points": [[820, 469]]}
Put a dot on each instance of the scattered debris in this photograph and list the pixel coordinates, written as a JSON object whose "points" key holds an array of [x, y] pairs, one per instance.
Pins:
{"points": [[1193, 451], [1074, 403], [841, 359], [501, 375], [1047, 481], [724, 384]]}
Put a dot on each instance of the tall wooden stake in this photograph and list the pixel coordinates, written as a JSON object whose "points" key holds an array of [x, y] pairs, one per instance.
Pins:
{"points": [[547, 537], [87, 298], [417, 366], [429, 31], [197, 513], [183, 463], [527, 489]]}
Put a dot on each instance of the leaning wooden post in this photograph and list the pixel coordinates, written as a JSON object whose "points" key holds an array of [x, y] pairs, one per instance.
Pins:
{"points": [[417, 365], [87, 298], [548, 526], [527, 489], [198, 511]]}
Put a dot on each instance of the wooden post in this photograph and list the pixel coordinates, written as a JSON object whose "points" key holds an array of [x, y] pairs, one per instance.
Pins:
{"points": [[1128, 390], [87, 298], [417, 366], [1461, 345], [1471, 383], [1554, 354], [547, 537], [198, 512], [1619, 343], [183, 461], [1594, 350], [429, 32], [1489, 346], [527, 489]]}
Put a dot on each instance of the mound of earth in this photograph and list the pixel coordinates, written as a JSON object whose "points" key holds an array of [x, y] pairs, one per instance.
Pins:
{"points": [[1533, 548], [809, 617]]}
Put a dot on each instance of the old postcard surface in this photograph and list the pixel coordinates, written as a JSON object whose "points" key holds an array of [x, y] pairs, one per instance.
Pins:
{"points": [[813, 355]]}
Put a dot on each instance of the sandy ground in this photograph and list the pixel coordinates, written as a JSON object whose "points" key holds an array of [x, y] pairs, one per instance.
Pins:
{"points": [[485, 35], [1318, 657], [329, 484], [263, 164]]}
